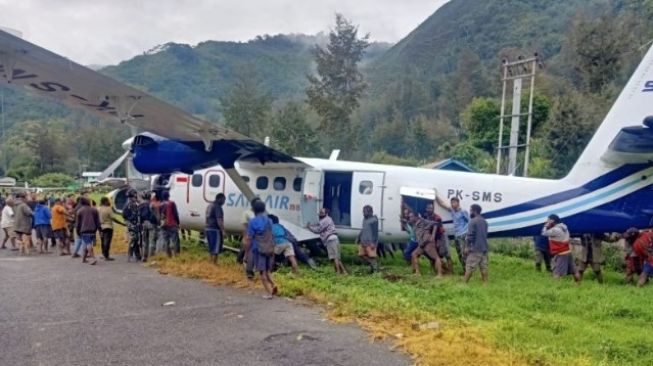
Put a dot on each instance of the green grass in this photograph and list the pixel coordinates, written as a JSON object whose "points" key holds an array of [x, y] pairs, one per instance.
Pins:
{"points": [[520, 312]]}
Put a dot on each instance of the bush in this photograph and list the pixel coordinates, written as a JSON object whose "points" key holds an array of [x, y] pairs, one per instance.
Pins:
{"points": [[53, 180]]}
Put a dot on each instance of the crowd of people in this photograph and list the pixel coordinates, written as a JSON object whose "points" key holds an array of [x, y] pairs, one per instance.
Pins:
{"points": [[566, 256], [53, 221], [72, 223], [264, 239]]}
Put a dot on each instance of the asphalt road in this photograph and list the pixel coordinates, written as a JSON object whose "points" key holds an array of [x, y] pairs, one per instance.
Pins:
{"points": [[57, 311]]}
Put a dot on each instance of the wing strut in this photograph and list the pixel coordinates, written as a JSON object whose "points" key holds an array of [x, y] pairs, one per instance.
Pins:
{"points": [[240, 183]]}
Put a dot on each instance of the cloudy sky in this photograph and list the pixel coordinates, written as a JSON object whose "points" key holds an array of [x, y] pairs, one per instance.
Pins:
{"points": [[107, 32]]}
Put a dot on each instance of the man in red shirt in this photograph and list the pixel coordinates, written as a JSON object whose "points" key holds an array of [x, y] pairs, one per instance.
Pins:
{"points": [[642, 247]]}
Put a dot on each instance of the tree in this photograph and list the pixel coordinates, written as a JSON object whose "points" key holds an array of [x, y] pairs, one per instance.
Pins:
{"points": [[292, 133], [596, 47], [480, 121], [567, 133], [467, 82], [474, 157], [46, 142], [335, 91], [246, 108], [391, 136]]}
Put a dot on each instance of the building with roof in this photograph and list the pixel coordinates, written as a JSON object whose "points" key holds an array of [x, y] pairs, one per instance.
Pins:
{"points": [[449, 164]]}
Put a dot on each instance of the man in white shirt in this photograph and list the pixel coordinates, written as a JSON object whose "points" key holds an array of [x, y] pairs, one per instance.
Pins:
{"points": [[7, 224]]}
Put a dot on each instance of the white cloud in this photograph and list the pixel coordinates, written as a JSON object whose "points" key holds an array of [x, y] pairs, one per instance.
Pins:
{"points": [[107, 32]]}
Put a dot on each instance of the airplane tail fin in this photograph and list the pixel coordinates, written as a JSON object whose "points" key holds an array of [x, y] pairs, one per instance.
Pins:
{"points": [[626, 134]]}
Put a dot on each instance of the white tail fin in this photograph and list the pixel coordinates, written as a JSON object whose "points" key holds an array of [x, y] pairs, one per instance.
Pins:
{"points": [[633, 105]]}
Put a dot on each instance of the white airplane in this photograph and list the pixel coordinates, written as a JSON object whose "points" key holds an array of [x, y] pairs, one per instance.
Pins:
{"points": [[608, 190]]}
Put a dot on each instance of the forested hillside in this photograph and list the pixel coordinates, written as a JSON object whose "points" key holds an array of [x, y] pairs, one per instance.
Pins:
{"points": [[434, 94], [430, 96], [197, 78]]}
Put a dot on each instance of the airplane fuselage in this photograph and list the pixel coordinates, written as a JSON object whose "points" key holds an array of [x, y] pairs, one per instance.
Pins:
{"points": [[513, 206]]}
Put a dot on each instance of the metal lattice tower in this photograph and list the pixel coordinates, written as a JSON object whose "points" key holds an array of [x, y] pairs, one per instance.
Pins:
{"points": [[513, 74]]}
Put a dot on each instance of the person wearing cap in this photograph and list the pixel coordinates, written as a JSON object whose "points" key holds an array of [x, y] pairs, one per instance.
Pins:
{"points": [[559, 247]]}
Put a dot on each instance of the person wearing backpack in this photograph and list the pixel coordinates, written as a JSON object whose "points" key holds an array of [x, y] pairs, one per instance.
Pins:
{"points": [[169, 225], [259, 230]]}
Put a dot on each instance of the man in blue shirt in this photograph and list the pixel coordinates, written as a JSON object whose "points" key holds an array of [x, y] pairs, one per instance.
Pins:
{"points": [[460, 219], [257, 228]]}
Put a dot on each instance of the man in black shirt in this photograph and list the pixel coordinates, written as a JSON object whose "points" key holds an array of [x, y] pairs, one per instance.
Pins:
{"points": [[215, 232]]}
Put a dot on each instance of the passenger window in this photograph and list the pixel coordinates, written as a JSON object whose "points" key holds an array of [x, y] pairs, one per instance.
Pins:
{"points": [[245, 178], [214, 181], [297, 184], [196, 181], [279, 183], [262, 183], [366, 187]]}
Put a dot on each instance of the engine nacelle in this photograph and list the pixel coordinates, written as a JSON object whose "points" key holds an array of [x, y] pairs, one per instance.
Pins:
{"points": [[160, 156]]}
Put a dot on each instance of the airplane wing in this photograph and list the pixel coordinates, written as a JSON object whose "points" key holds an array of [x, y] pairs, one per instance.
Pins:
{"points": [[39, 71]]}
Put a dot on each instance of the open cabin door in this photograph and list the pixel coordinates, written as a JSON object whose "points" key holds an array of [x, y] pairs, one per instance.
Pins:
{"points": [[366, 189], [416, 199], [311, 197]]}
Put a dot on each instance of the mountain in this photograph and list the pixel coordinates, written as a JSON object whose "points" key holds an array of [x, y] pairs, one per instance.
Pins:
{"points": [[482, 27], [196, 78]]}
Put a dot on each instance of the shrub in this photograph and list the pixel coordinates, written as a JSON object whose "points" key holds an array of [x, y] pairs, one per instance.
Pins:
{"points": [[53, 180]]}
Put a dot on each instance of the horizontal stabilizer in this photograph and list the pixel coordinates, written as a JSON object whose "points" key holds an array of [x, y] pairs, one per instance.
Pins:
{"points": [[632, 145]]}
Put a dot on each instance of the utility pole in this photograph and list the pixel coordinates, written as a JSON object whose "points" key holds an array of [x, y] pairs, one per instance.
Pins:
{"points": [[513, 73]]}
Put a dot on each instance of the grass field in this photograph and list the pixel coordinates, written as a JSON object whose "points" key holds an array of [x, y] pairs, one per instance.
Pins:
{"points": [[521, 318]]}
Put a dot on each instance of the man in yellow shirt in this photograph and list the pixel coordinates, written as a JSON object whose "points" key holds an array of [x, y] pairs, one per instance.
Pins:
{"points": [[59, 226]]}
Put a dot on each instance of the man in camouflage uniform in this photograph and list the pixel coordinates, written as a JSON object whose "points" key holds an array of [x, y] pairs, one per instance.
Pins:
{"points": [[148, 228], [591, 254], [133, 220]]}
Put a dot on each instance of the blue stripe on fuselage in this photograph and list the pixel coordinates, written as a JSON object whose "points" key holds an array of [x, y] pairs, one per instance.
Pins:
{"points": [[632, 210], [561, 211], [552, 199]]}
